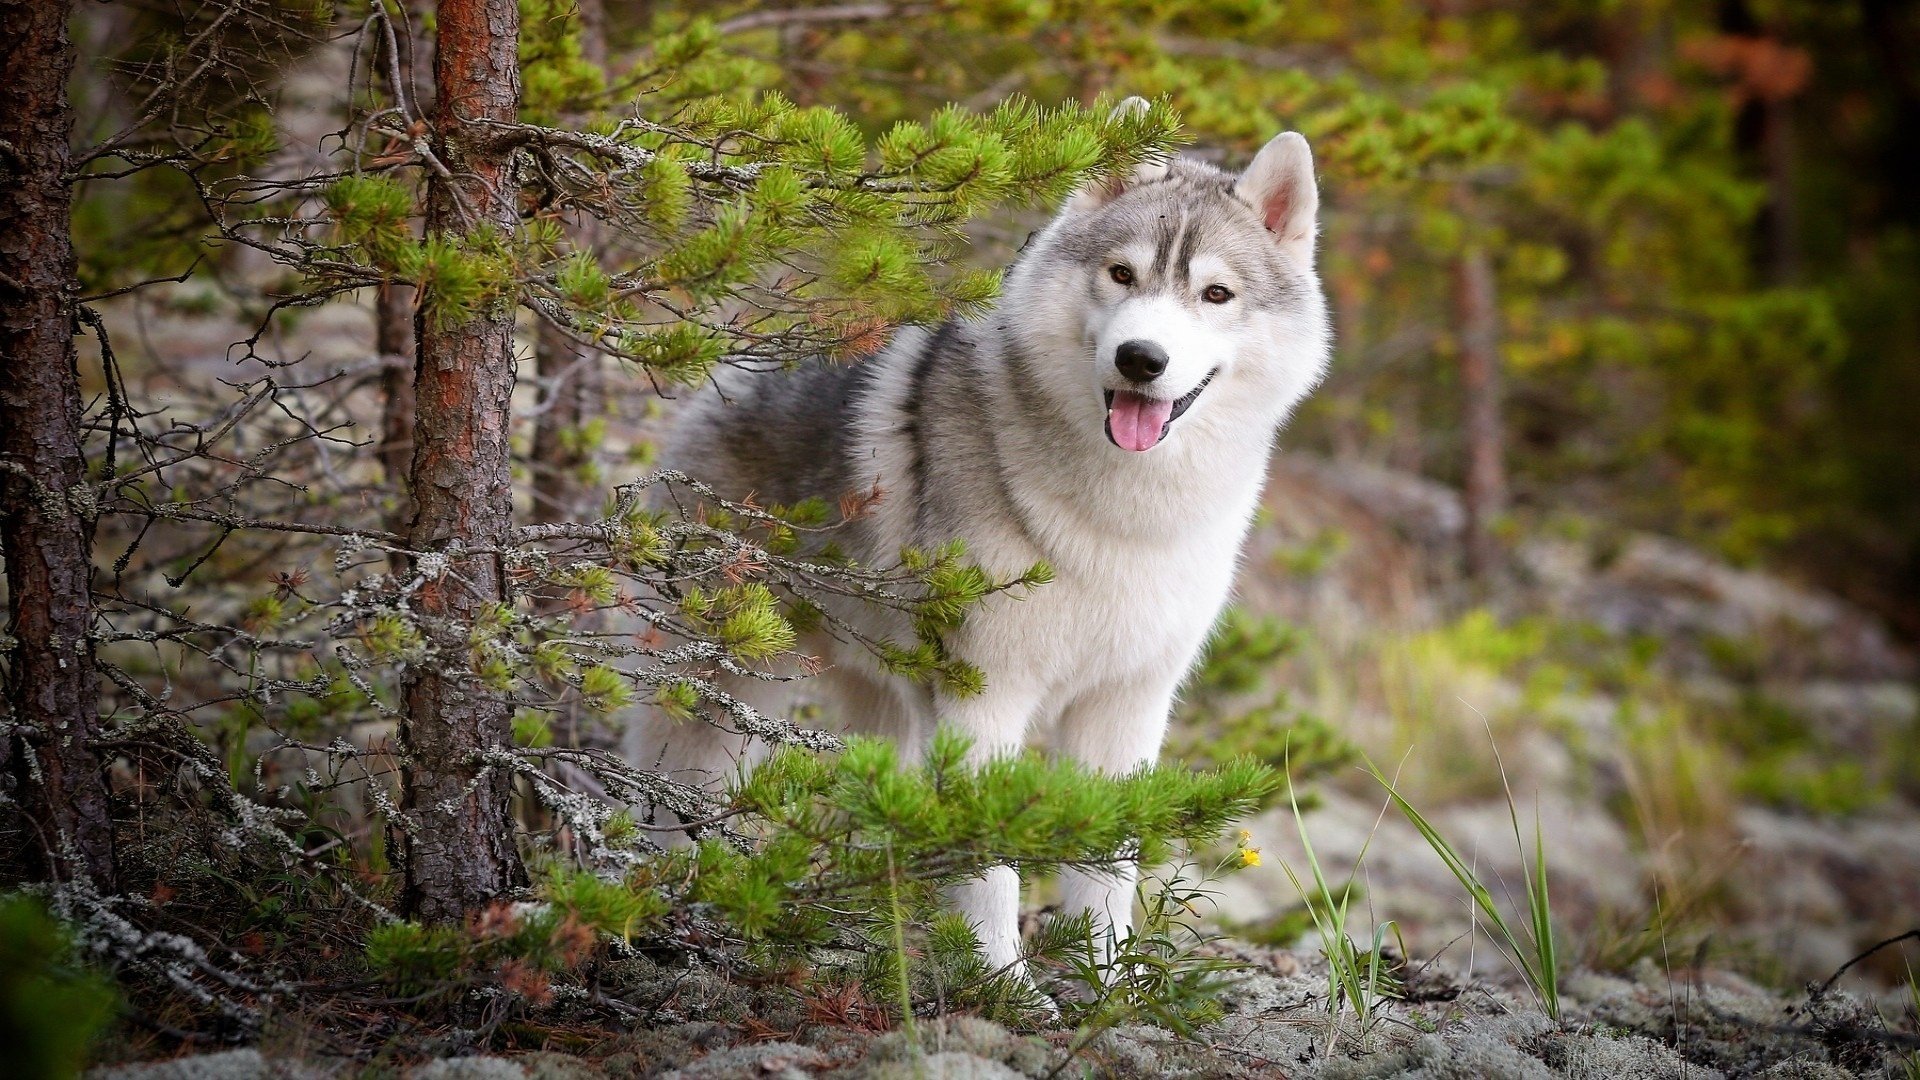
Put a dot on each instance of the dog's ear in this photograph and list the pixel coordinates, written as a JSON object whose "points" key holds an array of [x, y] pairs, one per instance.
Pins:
{"points": [[1095, 195], [1279, 183]]}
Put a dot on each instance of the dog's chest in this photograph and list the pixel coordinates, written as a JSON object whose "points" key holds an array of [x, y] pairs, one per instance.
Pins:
{"points": [[1115, 611]]}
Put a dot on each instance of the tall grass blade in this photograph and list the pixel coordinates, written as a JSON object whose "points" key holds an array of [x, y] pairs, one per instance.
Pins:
{"points": [[1532, 954]]}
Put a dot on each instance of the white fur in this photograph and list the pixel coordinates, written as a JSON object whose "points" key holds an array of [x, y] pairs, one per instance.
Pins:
{"points": [[1143, 545]]}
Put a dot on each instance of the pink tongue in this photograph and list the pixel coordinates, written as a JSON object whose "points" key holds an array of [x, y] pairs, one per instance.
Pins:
{"points": [[1136, 421]]}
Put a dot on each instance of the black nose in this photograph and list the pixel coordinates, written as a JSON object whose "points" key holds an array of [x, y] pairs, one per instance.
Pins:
{"points": [[1141, 361]]}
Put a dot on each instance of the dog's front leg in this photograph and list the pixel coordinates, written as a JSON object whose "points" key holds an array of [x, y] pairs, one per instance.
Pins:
{"points": [[996, 721], [1114, 730]]}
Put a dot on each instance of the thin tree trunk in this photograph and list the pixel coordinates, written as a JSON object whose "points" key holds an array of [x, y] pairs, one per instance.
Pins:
{"points": [[577, 397], [393, 342], [1779, 149], [458, 844], [59, 782], [394, 315], [1477, 313], [574, 381]]}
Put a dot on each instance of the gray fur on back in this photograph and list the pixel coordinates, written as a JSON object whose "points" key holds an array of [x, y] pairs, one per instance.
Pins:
{"points": [[786, 437]]}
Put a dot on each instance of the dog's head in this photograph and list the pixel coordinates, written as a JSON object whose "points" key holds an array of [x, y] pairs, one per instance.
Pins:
{"points": [[1180, 297]]}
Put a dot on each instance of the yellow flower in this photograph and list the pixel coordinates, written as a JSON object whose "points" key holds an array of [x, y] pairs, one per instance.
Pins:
{"points": [[1249, 856], [1245, 835]]}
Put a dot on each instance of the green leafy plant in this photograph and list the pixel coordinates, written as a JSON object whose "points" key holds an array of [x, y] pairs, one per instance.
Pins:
{"points": [[51, 1009], [1531, 948], [1356, 976]]}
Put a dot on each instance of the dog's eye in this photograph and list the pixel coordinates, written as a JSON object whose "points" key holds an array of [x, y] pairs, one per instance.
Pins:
{"points": [[1216, 294], [1121, 274]]}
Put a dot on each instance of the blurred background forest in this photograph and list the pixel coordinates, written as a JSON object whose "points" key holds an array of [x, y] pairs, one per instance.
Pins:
{"points": [[1693, 215], [1615, 470]]}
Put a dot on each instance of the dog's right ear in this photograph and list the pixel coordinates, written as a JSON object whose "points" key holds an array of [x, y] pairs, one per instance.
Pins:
{"points": [[1095, 195], [1279, 184]]}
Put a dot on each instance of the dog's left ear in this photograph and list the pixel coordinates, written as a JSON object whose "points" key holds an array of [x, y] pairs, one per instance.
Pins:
{"points": [[1279, 183], [1096, 195]]}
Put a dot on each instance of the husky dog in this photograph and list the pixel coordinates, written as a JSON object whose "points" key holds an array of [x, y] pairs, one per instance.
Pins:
{"points": [[1111, 414]]}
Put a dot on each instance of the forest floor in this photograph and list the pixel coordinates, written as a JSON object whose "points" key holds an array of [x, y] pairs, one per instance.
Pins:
{"points": [[1724, 766], [1658, 1024], [1701, 897]]}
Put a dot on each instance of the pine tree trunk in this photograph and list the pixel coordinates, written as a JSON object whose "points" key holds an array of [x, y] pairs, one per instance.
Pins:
{"points": [[1780, 150], [393, 327], [576, 390], [59, 781], [393, 343], [459, 848], [1477, 313]]}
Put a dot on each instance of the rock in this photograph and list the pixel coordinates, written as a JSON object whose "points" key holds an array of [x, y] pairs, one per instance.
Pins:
{"points": [[1429, 513], [1664, 588]]}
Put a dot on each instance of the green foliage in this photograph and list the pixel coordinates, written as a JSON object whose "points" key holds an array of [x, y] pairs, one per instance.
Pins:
{"points": [[518, 945], [389, 637], [1229, 707], [859, 831], [459, 277], [375, 213], [1160, 973], [50, 1009], [737, 194], [1533, 950], [745, 618], [604, 689], [1653, 356], [1836, 788], [1356, 977], [617, 909], [531, 729], [412, 956], [556, 77]]}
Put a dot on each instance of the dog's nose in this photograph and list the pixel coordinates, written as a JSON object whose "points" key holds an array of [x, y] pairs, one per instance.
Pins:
{"points": [[1141, 361]]}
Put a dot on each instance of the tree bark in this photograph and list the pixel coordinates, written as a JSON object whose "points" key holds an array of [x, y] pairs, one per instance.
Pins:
{"points": [[394, 337], [46, 539], [458, 844], [1477, 314], [393, 342], [575, 390], [1781, 218]]}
